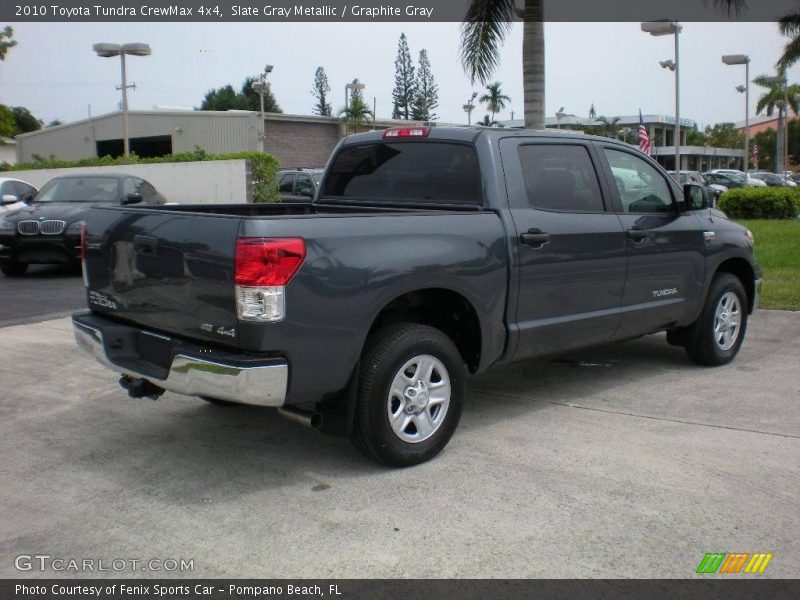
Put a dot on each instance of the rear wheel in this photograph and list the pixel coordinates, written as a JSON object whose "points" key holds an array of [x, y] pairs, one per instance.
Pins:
{"points": [[13, 269], [410, 394], [717, 334]]}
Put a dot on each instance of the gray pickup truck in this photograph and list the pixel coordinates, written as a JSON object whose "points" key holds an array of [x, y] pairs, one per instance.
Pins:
{"points": [[427, 254]]}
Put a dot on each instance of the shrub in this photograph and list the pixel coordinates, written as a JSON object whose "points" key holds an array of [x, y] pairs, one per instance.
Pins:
{"points": [[263, 167], [760, 203]]}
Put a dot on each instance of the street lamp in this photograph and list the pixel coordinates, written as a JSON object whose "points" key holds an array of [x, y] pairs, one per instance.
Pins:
{"points": [[356, 86], [469, 107], [780, 161], [261, 87], [106, 50], [560, 115], [743, 59], [659, 28]]}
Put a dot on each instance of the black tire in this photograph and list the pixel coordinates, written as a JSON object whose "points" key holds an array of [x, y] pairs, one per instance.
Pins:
{"points": [[700, 341], [385, 353], [218, 402], [13, 269]]}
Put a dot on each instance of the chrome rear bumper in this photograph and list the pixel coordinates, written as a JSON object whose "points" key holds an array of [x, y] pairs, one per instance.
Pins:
{"points": [[260, 384]]}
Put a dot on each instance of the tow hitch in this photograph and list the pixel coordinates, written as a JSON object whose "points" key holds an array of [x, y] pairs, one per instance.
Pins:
{"points": [[140, 388]]}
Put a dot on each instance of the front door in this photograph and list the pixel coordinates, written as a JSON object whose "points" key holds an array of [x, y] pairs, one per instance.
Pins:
{"points": [[664, 244], [570, 250]]}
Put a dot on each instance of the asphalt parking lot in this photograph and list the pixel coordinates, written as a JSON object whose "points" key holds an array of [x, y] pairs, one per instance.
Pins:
{"points": [[622, 461], [45, 292]]}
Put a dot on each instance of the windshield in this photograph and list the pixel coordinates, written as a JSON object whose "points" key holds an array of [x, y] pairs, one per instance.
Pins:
{"points": [[76, 189]]}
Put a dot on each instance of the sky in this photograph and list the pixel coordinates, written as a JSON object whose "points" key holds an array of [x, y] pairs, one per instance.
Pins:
{"points": [[614, 66]]}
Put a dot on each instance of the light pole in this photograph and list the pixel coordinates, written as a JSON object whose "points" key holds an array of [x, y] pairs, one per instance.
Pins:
{"points": [[108, 50], [780, 161], [261, 87], [469, 107], [356, 86], [743, 59], [658, 28], [560, 115]]}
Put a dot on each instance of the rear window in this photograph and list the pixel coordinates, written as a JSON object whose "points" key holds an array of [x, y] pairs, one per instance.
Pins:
{"points": [[433, 172]]}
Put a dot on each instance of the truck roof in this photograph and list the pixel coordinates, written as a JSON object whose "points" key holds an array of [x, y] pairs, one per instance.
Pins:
{"points": [[471, 133]]}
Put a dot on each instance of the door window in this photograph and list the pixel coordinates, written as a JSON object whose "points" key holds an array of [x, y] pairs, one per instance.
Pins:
{"points": [[287, 184], [642, 189], [304, 186], [560, 177]]}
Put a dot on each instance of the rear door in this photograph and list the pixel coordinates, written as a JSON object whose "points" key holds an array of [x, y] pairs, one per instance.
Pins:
{"points": [[664, 245], [168, 271], [570, 249]]}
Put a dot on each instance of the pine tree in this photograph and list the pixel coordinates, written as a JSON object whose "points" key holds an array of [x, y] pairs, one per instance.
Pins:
{"points": [[320, 92], [405, 86], [426, 99]]}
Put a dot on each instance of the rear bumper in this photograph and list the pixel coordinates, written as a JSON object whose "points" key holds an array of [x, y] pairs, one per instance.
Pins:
{"points": [[193, 371]]}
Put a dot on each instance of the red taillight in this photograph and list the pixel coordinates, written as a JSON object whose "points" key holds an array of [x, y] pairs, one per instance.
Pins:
{"points": [[263, 262], [405, 132], [83, 240]]}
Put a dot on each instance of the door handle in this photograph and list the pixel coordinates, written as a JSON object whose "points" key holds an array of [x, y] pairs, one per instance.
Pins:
{"points": [[638, 235], [535, 238]]}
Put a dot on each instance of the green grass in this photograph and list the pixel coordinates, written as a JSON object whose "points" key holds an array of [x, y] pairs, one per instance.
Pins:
{"points": [[778, 253]]}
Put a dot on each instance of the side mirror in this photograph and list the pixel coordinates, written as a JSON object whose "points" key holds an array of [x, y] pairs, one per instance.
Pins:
{"points": [[9, 199], [132, 199], [695, 197]]}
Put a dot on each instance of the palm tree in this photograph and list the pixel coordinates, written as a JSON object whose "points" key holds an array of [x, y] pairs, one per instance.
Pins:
{"points": [[487, 121], [356, 113], [485, 27], [790, 27], [495, 100], [609, 127], [782, 97]]}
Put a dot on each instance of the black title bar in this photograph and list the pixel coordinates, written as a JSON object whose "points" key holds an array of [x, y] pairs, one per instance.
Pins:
{"points": [[278, 11]]}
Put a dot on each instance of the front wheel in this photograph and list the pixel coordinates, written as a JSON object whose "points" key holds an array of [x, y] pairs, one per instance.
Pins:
{"points": [[410, 394], [717, 334]]}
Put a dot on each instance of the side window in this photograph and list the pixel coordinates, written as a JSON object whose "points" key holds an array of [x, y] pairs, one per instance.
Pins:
{"points": [[6, 188], [304, 186], [131, 185], [287, 184], [560, 177], [642, 189], [27, 190], [148, 192]]}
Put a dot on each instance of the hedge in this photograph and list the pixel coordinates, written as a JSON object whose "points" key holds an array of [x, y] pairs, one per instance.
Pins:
{"points": [[760, 203], [263, 167]]}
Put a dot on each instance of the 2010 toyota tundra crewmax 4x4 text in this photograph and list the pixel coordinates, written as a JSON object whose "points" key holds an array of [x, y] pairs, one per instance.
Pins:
{"points": [[427, 254]]}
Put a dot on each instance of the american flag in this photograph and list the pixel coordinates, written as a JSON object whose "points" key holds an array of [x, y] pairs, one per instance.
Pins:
{"points": [[644, 139]]}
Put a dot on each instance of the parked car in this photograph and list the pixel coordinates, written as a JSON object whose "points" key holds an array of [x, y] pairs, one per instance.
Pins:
{"points": [[729, 181], [46, 230], [427, 254], [749, 180], [298, 185], [714, 190], [13, 192]]}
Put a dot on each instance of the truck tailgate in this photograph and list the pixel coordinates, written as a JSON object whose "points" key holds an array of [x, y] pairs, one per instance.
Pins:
{"points": [[165, 270]]}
